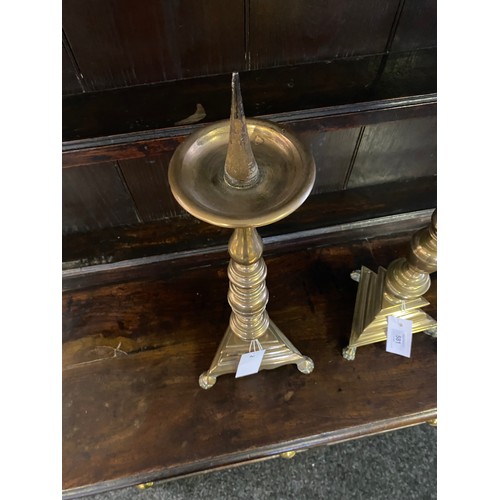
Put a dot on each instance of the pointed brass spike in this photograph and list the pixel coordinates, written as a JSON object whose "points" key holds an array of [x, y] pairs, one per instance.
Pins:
{"points": [[240, 168]]}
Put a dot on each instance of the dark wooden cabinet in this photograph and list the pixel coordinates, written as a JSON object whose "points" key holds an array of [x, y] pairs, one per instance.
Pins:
{"points": [[144, 283]]}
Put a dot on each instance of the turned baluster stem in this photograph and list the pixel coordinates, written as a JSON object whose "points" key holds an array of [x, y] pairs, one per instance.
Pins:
{"points": [[247, 294], [408, 278]]}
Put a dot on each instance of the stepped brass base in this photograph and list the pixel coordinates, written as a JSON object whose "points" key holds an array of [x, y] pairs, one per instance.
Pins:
{"points": [[279, 351], [372, 308]]}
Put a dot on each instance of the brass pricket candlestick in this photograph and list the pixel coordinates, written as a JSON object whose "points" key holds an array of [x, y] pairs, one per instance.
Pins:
{"points": [[244, 174], [396, 291]]}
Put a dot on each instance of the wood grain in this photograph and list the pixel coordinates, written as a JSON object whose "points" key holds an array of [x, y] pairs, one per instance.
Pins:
{"points": [[401, 148], [159, 142], [417, 27], [412, 72], [70, 81], [95, 197], [332, 151], [267, 91], [125, 43], [396, 150], [147, 181], [184, 234], [133, 351], [317, 30], [331, 133]]}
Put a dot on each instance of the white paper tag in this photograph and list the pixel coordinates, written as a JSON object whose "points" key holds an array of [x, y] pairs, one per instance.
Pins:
{"points": [[399, 336], [250, 363]]}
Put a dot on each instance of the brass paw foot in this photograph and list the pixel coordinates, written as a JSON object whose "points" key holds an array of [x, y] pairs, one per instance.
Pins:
{"points": [[349, 353]]}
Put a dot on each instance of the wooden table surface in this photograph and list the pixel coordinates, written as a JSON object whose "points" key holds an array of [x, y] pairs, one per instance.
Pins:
{"points": [[133, 350]]}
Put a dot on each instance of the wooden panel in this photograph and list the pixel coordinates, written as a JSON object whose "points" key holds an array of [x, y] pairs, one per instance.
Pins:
{"points": [[412, 72], [132, 354], [137, 145], [94, 197], [122, 43], [70, 82], [332, 151], [95, 274], [269, 91], [147, 181], [417, 26], [298, 31], [323, 218], [396, 151]]}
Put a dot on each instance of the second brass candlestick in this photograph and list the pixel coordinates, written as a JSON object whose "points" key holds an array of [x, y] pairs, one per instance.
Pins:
{"points": [[396, 291]]}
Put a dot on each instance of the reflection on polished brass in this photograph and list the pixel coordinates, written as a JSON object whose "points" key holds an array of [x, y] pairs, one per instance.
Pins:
{"points": [[288, 454], [244, 174], [396, 291], [240, 168], [249, 320], [433, 422], [145, 486]]}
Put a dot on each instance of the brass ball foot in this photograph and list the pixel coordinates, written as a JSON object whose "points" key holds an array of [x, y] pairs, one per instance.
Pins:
{"points": [[306, 365], [206, 381]]}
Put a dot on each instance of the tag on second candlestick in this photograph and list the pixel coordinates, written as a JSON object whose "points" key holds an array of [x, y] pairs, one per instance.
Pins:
{"points": [[250, 363], [399, 336]]}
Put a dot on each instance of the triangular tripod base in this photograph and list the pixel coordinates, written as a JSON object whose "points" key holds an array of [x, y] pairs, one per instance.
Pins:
{"points": [[371, 310], [279, 351]]}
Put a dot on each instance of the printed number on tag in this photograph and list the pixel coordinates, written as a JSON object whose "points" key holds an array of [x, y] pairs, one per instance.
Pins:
{"points": [[399, 335]]}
